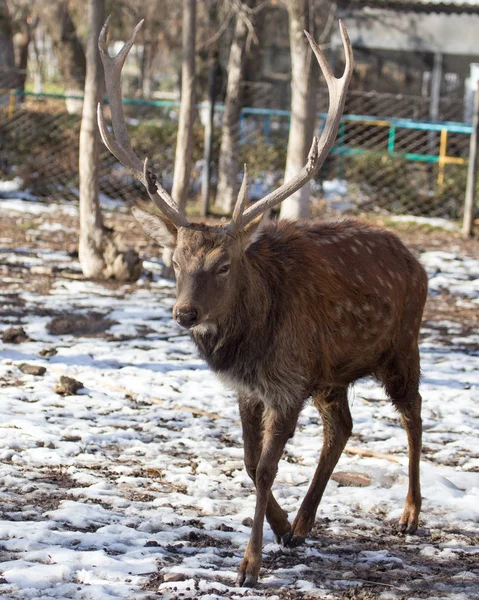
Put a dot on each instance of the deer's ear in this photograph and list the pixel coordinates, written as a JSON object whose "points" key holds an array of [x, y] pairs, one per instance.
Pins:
{"points": [[251, 232], [157, 227]]}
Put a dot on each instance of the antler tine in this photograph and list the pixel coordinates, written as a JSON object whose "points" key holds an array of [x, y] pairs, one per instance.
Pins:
{"points": [[120, 145], [348, 51], [120, 153], [320, 148], [113, 66], [235, 223]]}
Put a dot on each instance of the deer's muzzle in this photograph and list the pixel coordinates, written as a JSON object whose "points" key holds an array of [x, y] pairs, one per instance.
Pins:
{"points": [[186, 316]]}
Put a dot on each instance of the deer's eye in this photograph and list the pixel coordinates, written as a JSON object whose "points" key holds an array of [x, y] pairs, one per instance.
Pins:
{"points": [[176, 266], [223, 270]]}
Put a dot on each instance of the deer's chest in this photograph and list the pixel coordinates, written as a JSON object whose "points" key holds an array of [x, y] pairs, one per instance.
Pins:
{"points": [[255, 371]]}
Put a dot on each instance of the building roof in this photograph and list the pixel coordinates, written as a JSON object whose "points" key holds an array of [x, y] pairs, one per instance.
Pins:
{"points": [[428, 6], [411, 31]]}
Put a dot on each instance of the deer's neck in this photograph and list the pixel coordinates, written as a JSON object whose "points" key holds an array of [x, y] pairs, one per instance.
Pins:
{"points": [[251, 348], [244, 337]]}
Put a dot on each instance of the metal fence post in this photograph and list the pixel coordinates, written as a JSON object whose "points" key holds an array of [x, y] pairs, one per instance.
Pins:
{"points": [[266, 127], [469, 202]]}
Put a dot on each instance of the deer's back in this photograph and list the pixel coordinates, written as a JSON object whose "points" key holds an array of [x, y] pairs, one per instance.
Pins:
{"points": [[355, 289]]}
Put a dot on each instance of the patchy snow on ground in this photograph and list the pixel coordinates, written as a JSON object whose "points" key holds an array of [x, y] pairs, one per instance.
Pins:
{"points": [[34, 207], [135, 487], [334, 187], [336, 193], [12, 185]]}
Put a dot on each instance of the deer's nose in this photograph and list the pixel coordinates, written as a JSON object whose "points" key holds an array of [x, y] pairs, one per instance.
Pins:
{"points": [[186, 316]]}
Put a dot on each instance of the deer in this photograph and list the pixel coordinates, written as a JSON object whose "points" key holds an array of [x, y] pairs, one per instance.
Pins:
{"points": [[285, 311]]}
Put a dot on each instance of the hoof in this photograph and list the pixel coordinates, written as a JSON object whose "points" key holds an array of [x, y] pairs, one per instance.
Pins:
{"points": [[295, 541], [283, 538], [300, 530], [247, 581], [248, 573], [289, 540], [409, 520], [407, 527]]}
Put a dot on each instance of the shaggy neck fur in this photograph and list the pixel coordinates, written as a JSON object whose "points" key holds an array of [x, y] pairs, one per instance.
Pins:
{"points": [[245, 335]]}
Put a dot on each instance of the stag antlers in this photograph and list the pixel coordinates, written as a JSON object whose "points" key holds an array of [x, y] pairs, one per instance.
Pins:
{"points": [[120, 145]]}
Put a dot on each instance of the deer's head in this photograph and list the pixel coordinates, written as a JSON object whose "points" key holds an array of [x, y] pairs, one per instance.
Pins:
{"points": [[207, 259], [207, 262]]}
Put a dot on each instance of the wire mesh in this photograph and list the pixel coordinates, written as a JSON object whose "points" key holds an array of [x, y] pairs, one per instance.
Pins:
{"points": [[384, 158]]}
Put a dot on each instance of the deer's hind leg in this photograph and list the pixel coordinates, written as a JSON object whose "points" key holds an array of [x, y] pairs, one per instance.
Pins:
{"points": [[252, 412], [333, 407], [400, 377]]}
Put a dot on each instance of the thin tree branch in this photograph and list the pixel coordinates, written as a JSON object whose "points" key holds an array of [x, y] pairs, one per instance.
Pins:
{"points": [[329, 23], [223, 27]]}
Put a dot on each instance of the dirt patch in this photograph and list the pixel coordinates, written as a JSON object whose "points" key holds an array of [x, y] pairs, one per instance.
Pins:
{"points": [[89, 325], [60, 478], [33, 505]]}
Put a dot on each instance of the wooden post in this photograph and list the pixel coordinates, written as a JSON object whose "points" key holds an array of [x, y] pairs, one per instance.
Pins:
{"points": [[470, 199]]}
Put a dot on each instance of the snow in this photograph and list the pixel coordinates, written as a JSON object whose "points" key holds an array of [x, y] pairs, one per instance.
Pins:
{"points": [[106, 202], [36, 208], [335, 193], [448, 270], [335, 187], [12, 185], [141, 473]]}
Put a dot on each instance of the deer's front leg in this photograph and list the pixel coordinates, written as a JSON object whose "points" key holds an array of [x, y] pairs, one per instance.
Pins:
{"points": [[252, 411], [278, 428]]}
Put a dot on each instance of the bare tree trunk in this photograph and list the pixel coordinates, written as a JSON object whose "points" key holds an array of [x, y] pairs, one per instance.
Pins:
{"points": [[209, 113], [146, 73], [39, 64], [8, 74], [91, 249], [150, 48], [98, 252], [67, 47], [208, 110], [21, 43], [229, 163], [302, 107], [181, 175], [24, 40], [253, 68]]}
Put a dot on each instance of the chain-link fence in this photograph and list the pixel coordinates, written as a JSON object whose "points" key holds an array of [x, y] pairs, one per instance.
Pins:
{"points": [[385, 158]]}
